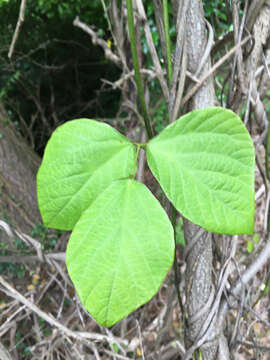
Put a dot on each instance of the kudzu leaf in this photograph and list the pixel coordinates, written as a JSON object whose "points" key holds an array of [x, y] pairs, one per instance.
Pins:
{"points": [[81, 159], [120, 251], [204, 162]]}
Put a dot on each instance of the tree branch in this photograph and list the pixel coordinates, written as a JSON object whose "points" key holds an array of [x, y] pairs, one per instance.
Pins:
{"points": [[98, 41], [18, 27]]}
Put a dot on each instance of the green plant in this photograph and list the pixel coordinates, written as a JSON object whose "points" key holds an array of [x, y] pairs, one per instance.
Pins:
{"points": [[122, 241], [251, 243], [14, 270], [11, 82]]}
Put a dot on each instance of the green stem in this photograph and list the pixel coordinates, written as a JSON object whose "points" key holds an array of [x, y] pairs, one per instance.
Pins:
{"points": [[167, 39], [138, 79], [134, 170]]}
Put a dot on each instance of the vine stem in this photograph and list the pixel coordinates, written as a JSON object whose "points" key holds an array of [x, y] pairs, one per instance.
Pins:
{"points": [[175, 263], [167, 39], [135, 59], [134, 170], [138, 79], [173, 209]]}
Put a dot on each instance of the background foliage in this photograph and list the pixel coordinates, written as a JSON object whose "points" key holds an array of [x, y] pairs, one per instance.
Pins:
{"points": [[55, 72]]}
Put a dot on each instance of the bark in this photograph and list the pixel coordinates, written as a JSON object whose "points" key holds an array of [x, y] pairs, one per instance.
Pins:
{"points": [[18, 167], [199, 259], [261, 33]]}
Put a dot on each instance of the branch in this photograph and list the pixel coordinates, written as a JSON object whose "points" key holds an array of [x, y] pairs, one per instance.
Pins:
{"points": [[119, 83], [18, 27], [32, 258], [136, 65], [96, 40], [80, 336], [208, 48], [160, 26], [181, 34], [250, 272], [153, 51]]}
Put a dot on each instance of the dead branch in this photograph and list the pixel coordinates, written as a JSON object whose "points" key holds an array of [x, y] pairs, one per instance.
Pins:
{"points": [[98, 41], [152, 50], [18, 27], [77, 335], [250, 272]]}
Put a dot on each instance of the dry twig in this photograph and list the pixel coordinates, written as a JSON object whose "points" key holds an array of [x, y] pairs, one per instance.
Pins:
{"points": [[18, 27]]}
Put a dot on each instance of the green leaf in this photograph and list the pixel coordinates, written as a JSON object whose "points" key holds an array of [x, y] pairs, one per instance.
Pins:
{"points": [[250, 246], [120, 251], [81, 159], [256, 238], [205, 164]]}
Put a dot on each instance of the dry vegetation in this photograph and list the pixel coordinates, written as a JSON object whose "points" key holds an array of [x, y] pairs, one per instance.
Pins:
{"points": [[42, 318]]}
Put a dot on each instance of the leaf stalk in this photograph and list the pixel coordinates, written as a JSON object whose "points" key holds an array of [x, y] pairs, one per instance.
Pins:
{"points": [[167, 39], [138, 78]]}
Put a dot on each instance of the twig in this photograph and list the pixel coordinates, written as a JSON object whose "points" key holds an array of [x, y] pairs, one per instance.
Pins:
{"points": [[209, 329], [31, 258], [181, 84], [49, 258], [249, 273], [3, 326], [235, 332], [207, 50], [253, 346], [136, 65], [80, 336], [152, 50], [160, 27], [115, 341], [180, 28], [266, 213], [224, 274], [255, 313], [18, 27], [117, 356], [167, 40], [98, 41], [140, 338], [247, 112], [238, 57], [118, 84], [6, 228]]}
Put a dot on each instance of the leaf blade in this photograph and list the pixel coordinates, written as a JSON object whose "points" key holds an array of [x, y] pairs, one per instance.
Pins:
{"points": [[81, 159], [205, 165], [118, 264]]}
